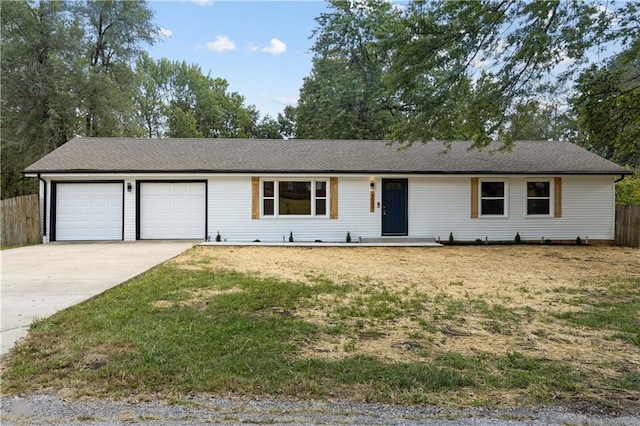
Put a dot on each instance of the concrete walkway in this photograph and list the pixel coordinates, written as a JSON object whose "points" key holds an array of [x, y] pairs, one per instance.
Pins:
{"points": [[37, 281]]}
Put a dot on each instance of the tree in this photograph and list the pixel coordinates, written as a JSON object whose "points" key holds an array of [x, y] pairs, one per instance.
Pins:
{"points": [[267, 128], [608, 108], [115, 32], [66, 70], [459, 69], [200, 105], [628, 190], [38, 76], [152, 79], [344, 97], [287, 122], [535, 120]]}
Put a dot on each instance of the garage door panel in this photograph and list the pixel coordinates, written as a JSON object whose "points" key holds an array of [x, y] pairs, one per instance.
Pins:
{"points": [[89, 211], [172, 210]]}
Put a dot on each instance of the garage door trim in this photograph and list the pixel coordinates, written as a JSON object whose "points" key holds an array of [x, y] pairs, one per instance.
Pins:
{"points": [[206, 201], [54, 200]]}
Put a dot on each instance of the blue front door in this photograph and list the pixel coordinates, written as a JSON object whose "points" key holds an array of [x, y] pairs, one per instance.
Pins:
{"points": [[395, 207]]}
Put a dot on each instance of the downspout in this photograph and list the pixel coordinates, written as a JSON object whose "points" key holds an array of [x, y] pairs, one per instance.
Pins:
{"points": [[44, 209], [615, 209]]}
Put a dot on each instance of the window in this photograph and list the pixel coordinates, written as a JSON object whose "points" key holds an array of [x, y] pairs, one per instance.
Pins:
{"points": [[321, 198], [539, 198], [268, 198], [294, 198], [492, 198]]}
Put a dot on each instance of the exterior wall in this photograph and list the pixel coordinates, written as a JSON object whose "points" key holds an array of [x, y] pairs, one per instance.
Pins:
{"points": [[438, 205], [230, 214], [130, 209]]}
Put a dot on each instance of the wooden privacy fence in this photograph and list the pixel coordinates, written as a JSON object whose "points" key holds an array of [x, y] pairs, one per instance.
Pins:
{"points": [[20, 221], [628, 226]]}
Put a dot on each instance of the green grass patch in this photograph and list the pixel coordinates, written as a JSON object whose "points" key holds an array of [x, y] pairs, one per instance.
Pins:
{"points": [[630, 381], [613, 306]]}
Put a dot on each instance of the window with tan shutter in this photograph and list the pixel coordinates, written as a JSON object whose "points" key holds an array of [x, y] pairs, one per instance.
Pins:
{"points": [[292, 197]]}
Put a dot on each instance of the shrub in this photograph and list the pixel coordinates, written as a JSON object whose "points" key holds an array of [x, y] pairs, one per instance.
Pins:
{"points": [[451, 238], [218, 238], [348, 237], [628, 190], [291, 236], [517, 238]]}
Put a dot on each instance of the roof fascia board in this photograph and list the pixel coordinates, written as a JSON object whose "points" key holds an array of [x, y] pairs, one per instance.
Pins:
{"points": [[34, 173]]}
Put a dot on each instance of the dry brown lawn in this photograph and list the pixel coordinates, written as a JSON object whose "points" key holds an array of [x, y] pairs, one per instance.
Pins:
{"points": [[475, 299]]}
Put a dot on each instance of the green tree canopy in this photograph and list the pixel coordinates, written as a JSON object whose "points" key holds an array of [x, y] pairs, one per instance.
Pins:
{"points": [[177, 99], [608, 108], [344, 97], [440, 69], [38, 78], [115, 33], [461, 68], [66, 70]]}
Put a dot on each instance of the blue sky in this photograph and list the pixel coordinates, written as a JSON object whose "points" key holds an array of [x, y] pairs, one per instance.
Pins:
{"points": [[260, 47]]}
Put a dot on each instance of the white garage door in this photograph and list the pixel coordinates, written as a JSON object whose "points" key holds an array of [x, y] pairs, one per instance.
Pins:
{"points": [[88, 211], [172, 210]]}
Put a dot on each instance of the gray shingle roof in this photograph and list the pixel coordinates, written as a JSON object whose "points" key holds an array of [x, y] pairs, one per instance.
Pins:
{"points": [[316, 156]]}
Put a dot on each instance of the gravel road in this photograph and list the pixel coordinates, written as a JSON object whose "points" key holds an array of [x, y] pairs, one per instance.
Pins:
{"points": [[48, 410]]}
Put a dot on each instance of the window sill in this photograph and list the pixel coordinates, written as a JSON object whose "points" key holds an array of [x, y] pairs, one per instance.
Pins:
{"points": [[294, 217]]}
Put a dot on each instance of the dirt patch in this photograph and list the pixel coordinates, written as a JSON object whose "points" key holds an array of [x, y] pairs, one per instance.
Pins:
{"points": [[100, 355], [465, 299], [197, 298]]}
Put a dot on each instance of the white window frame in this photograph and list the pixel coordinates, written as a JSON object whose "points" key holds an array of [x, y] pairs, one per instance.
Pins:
{"points": [[505, 212], [551, 197], [276, 198]]}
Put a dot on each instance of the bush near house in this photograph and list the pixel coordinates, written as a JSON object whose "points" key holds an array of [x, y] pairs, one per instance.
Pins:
{"points": [[628, 190]]}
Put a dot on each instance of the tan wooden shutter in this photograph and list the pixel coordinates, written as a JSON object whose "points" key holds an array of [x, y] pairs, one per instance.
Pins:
{"points": [[557, 202], [474, 197], [333, 194], [372, 197], [255, 198]]}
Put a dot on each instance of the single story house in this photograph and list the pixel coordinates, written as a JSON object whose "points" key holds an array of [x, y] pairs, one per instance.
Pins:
{"points": [[253, 189]]}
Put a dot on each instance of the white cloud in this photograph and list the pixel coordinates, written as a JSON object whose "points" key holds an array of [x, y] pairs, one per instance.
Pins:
{"points": [[220, 44], [276, 47], [202, 2], [165, 32], [286, 100]]}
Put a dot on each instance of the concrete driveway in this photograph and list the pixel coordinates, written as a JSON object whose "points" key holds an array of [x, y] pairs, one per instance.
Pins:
{"points": [[37, 281]]}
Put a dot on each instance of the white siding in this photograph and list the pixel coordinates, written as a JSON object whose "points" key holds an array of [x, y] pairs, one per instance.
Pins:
{"points": [[438, 205], [129, 210], [230, 214]]}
